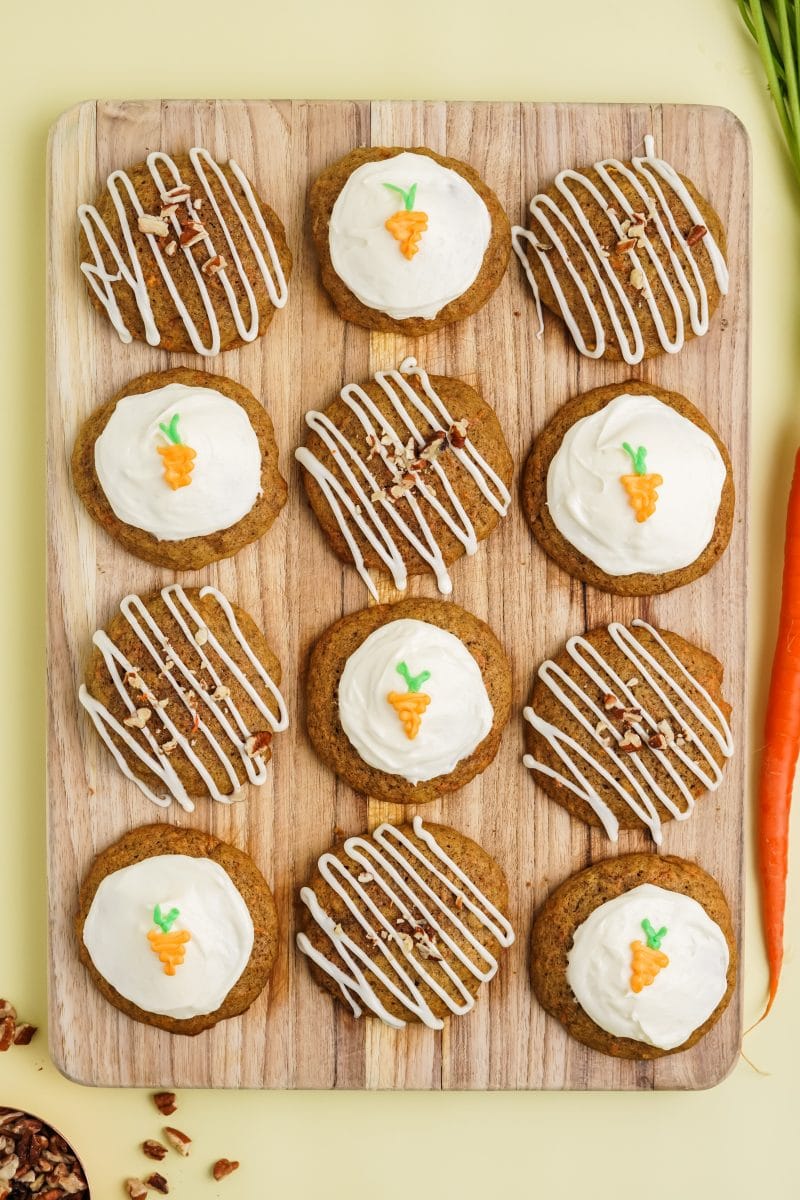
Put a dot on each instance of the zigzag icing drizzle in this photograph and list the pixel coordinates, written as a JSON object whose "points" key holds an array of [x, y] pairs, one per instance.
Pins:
{"points": [[354, 507], [673, 688], [400, 961], [130, 267], [568, 232], [164, 656]]}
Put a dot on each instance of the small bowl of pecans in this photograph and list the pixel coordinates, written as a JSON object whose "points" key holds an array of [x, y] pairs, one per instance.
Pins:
{"points": [[36, 1161]]}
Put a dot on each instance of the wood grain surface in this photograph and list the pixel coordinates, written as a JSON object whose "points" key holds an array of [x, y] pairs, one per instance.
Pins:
{"points": [[294, 1035]]}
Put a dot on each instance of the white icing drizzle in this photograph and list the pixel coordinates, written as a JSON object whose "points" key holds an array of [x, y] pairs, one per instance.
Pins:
{"points": [[580, 238], [129, 265], [354, 507], [389, 858], [638, 788], [164, 656]]}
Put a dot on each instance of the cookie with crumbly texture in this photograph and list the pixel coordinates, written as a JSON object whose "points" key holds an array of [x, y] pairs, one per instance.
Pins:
{"points": [[481, 869], [620, 262], [624, 706], [201, 261], [152, 840], [164, 693], [323, 195], [193, 553], [470, 413], [533, 488], [569, 906], [327, 662]]}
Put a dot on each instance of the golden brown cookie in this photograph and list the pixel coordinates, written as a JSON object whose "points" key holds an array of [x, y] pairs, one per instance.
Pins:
{"points": [[607, 515], [643, 245], [571, 904], [183, 689], [134, 458], [627, 726], [209, 262], [416, 925], [407, 702], [324, 193], [140, 965], [409, 502]]}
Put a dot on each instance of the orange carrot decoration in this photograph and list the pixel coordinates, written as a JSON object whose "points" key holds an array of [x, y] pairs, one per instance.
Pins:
{"points": [[168, 943], [648, 959], [641, 487], [410, 705], [178, 458], [407, 225]]}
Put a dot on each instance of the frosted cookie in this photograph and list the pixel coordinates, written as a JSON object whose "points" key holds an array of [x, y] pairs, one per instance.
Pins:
{"points": [[407, 702], [183, 690], [406, 473], [405, 923], [181, 253], [181, 467], [407, 240], [627, 727], [628, 254], [629, 488], [176, 928], [636, 955]]}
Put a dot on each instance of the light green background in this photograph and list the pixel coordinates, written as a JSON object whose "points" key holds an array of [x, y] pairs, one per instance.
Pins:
{"points": [[734, 1141]]}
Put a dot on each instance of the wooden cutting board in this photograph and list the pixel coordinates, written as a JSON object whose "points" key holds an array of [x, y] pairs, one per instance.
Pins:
{"points": [[294, 1035]]}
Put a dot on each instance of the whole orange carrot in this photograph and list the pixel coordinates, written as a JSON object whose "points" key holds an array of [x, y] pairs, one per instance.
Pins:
{"points": [[775, 28], [781, 748]]}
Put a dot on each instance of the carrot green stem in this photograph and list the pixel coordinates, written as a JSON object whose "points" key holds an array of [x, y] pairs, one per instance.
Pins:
{"points": [[408, 197], [637, 457], [165, 923], [413, 682], [171, 431], [654, 937], [768, 22]]}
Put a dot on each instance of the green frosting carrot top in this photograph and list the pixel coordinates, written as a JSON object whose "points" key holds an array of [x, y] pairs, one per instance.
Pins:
{"points": [[408, 196], [413, 682], [165, 923], [654, 937]]}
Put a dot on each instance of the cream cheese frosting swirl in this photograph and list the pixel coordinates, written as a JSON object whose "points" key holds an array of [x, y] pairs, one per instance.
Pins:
{"points": [[589, 505], [225, 480], [210, 908], [365, 255], [457, 718], [683, 994]]}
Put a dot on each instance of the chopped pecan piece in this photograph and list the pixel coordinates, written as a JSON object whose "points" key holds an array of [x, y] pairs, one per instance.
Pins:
{"points": [[177, 1139], [165, 1101], [257, 742], [223, 1167], [158, 1183], [154, 1149], [147, 223], [695, 235]]}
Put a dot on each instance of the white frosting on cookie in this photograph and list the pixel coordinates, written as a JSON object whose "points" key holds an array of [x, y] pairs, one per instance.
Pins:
{"points": [[367, 257], [456, 720], [226, 478], [590, 506], [210, 908], [683, 994]]}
